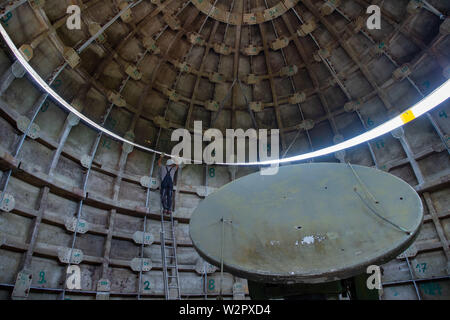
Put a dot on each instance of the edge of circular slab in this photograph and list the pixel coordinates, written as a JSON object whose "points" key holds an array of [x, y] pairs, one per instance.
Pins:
{"points": [[307, 223]]}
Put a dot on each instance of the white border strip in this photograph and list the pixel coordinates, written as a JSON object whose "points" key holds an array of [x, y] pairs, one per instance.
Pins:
{"points": [[438, 96], [431, 101]]}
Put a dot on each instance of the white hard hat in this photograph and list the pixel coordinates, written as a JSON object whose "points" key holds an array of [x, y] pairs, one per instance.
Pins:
{"points": [[170, 162]]}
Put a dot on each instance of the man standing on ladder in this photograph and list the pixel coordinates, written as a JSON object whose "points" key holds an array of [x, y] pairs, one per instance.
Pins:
{"points": [[167, 174]]}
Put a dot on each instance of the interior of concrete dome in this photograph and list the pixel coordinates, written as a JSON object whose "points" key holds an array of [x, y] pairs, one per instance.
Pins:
{"points": [[72, 195]]}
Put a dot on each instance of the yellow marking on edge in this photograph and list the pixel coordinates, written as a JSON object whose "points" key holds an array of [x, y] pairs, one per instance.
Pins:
{"points": [[407, 116]]}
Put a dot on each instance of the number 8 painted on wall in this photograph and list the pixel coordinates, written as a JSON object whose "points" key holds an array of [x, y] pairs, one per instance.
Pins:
{"points": [[211, 284]]}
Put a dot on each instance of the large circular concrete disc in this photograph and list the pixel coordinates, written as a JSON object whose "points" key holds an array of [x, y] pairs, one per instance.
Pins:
{"points": [[309, 223]]}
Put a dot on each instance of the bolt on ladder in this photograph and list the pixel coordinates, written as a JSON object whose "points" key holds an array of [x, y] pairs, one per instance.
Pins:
{"points": [[169, 259]]}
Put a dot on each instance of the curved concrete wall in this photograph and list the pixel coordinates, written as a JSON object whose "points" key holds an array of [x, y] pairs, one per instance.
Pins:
{"points": [[50, 183]]}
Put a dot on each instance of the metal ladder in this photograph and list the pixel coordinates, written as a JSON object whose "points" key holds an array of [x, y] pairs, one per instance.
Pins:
{"points": [[169, 259], [205, 281]]}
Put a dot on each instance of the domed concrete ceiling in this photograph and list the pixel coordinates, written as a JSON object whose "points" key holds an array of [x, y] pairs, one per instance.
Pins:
{"points": [[315, 70]]}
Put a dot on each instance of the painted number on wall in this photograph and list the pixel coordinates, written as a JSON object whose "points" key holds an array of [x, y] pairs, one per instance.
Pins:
{"points": [[56, 84], [212, 172], [379, 144], [421, 267], [110, 123], [211, 284], [147, 285], [6, 18], [106, 144], [42, 278], [432, 288], [45, 106]]}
